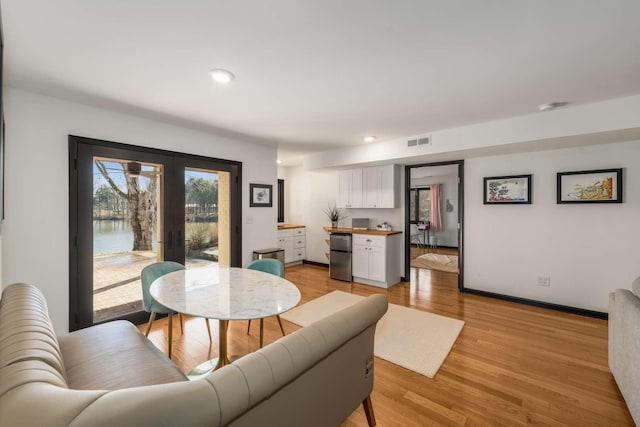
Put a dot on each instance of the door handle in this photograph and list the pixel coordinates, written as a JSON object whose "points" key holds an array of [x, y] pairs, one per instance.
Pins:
{"points": [[179, 239]]}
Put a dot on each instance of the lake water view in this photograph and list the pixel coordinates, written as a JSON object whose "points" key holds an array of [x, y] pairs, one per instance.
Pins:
{"points": [[111, 236]]}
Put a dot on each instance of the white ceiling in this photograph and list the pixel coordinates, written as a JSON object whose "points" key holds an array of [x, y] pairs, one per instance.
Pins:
{"points": [[313, 75]]}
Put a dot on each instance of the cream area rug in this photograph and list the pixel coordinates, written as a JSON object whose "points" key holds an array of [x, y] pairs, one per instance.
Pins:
{"points": [[413, 339], [448, 263]]}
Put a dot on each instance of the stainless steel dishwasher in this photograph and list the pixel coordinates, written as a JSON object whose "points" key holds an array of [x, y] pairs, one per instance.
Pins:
{"points": [[340, 256]]}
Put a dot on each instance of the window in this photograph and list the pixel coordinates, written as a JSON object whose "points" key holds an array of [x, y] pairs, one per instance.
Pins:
{"points": [[420, 205]]}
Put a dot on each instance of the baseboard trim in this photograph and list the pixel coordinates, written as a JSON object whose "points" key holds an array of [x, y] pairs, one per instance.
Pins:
{"points": [[317, 264], [541, 304]]}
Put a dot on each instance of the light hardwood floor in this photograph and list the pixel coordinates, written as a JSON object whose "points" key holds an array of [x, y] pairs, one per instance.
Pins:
{"points": [[511, 365]]}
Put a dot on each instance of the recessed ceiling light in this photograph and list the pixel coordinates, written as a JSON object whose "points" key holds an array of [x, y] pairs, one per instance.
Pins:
{"points": [[221, 76], [278, 161], [551, 106], [369, 138]]}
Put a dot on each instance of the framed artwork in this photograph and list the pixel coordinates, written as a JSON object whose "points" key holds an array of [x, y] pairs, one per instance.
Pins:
{"points": [[504, 190], [596, 186], [261, 195]]}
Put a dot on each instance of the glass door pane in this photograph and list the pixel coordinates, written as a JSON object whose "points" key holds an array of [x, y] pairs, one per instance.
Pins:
{"points": [[127, 213], [424, 203], [206, 213]]}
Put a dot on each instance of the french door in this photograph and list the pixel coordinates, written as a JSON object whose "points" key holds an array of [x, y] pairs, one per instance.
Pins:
{"points": [[132, 206]]}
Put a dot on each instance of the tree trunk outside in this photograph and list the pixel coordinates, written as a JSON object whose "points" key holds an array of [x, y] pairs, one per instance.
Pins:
{"points": [[142, 206], [142, 212]]}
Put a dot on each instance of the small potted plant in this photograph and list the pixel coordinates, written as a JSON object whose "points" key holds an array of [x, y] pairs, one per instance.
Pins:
{"points": [[334, 215]]}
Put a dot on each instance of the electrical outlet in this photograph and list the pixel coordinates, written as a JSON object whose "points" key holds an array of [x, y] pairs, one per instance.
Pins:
{"points": [[544, 281]]}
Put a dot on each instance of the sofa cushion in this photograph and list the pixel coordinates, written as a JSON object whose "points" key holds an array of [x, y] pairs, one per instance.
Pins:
{"points": [[113, 356]]}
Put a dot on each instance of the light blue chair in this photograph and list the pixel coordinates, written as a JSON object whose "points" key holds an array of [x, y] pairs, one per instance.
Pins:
{"points": [[147, 276], [271, 266]]}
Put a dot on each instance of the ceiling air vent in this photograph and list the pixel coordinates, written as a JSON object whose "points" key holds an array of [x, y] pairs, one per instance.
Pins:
{"points": [[424, 141], [412, 143]]}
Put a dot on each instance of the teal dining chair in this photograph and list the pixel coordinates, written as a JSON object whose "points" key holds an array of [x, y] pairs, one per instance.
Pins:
{"points": [[150, 305], [271, 266]]}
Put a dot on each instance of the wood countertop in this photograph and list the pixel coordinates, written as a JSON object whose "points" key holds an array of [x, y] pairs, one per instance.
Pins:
{"points": [[289, 226], [370, 232]]}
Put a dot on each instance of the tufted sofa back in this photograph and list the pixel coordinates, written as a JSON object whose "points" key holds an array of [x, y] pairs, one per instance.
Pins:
{"points": [[27, 340]]}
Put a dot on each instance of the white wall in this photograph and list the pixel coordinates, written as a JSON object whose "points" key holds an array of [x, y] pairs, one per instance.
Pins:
{"points": [[587, 250], [35, 232], [307, 195]]}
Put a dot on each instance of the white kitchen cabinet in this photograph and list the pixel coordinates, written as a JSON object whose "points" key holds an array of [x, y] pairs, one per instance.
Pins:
{"points": [[293, 241], [299, 244], [371, 187], [349, 189], [376, 260], [360, 260], [379, 187]]}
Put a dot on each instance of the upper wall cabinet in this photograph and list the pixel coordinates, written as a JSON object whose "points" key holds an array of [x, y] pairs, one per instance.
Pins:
{"points": [[378, 184], [373, 187], [349, 189]]}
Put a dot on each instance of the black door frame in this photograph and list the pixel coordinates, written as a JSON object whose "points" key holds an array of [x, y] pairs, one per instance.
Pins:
{"points": [[407, 220], [80, 299]]}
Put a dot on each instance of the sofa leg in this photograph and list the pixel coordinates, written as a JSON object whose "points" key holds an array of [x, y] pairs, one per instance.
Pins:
{"points": [[152, 316], [368, 411]]}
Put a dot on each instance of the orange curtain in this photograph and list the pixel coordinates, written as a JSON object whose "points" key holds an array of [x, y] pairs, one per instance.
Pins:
{"points": [[436, 216]]}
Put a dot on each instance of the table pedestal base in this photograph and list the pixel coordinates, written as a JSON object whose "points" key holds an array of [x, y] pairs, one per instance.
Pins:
{"points": [[209, 366], [204, 369]]}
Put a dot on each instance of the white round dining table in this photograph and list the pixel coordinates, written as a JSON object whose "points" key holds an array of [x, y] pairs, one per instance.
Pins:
{"points": [[224, 293]]}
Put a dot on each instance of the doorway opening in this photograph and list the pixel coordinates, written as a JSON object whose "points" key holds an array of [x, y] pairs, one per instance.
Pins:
{"points": [[434, 218], [133, 206]]}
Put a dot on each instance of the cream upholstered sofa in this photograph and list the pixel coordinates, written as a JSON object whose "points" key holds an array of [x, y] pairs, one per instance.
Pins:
{"points": [[111, 375], [624, 344]]}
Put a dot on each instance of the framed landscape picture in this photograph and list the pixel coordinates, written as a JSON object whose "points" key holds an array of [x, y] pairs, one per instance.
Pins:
{"points": [[261, 195], [595, 186], [502, 190]]}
